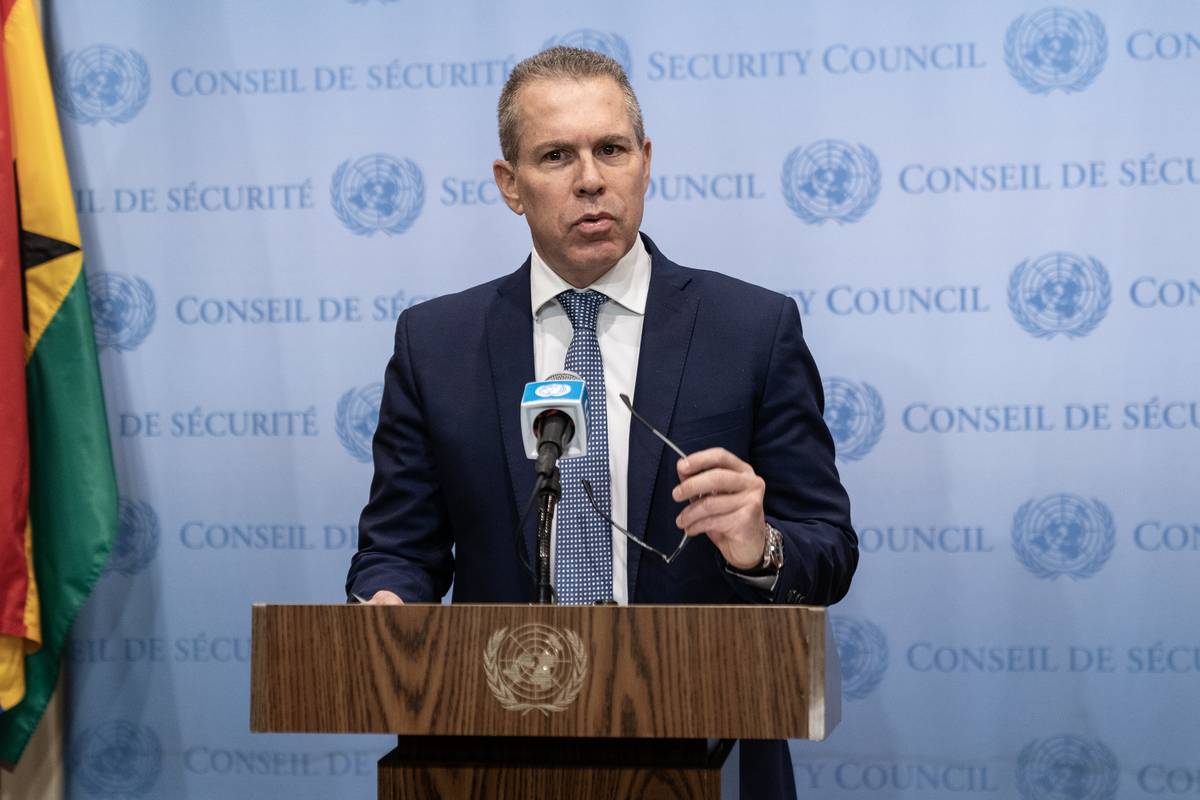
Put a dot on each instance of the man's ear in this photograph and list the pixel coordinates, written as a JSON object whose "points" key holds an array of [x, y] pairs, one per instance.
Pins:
{"points": [[645, 165], [506, 181]]}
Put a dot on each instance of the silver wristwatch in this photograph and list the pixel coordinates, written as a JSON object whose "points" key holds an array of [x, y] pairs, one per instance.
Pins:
{"points": [[772, 550]]}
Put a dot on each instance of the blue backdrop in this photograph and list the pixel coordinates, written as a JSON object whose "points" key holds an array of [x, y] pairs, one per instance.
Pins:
{"points": [[985, 211]]}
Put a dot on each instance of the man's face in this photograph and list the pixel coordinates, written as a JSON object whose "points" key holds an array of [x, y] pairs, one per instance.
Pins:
{"points": [[580, 177]]}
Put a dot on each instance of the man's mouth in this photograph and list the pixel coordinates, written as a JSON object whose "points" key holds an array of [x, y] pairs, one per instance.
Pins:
{"points": [[594, 223]]}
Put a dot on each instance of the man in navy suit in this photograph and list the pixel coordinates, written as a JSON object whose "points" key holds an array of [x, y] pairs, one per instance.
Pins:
{"points": [[717, 364]]}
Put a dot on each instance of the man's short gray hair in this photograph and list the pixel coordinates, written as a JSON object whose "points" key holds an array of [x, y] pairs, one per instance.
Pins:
{"points": [[561, 63]]}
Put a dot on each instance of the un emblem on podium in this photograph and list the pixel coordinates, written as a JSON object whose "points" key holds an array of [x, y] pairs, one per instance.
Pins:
{"points": [[1059, 293], [1055, 49], [831, 180], [862, 649], [855, 417], [1067, 768], [117, 759], [535, 667], [102, 82], [123, 310], [357, 418], [137, 538], [377, 193], [610, 44], [1063, 534]]}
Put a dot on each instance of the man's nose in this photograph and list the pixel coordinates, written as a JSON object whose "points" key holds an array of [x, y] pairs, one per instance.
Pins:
{"points": [[590, 180]]}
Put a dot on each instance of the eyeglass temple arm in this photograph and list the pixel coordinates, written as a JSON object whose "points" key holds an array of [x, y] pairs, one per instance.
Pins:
{"points": [[629, 404], [587, 489]]}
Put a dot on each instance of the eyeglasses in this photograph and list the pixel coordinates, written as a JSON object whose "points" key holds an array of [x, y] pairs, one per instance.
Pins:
{"points": [[587, 488]]}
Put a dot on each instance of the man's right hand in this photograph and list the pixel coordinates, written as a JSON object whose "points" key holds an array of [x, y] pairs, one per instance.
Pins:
{"points": [[385, 598]]}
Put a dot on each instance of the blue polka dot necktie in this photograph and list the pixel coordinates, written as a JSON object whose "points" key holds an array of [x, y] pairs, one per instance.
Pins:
{"points": [[583, 541]]}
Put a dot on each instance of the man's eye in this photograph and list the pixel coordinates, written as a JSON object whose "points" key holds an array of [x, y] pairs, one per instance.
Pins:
{"points": [[610, 149], [554, 155]]}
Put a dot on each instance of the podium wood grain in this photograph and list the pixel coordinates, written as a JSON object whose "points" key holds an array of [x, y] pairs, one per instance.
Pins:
{"points": [[654, 671]]}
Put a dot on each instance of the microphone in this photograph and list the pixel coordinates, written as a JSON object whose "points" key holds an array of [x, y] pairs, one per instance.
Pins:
{"points": [[554, 420]]}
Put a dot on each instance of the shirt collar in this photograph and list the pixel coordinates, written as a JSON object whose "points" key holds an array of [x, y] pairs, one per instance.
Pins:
{"points": [[627, 283]]}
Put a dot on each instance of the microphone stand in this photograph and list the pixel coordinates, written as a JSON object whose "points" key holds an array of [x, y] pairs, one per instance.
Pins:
{"points": [[548, 492]]}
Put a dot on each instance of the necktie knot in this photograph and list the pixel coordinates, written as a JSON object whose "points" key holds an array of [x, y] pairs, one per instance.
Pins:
{"points": [[582, 307]]}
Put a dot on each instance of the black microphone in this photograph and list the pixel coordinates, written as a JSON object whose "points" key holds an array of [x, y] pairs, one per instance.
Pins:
{"points": [[551, 412], [554, 431]]}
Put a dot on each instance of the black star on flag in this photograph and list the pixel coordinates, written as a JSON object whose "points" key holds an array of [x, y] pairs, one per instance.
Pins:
{"points": [[36, 250]]}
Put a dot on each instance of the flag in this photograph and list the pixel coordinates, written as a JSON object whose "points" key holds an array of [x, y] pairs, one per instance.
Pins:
{"points": [[18, 592], [59, 489]]}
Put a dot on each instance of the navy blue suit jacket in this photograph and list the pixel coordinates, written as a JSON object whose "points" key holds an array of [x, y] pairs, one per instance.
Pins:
{"points": [[722, 364]]}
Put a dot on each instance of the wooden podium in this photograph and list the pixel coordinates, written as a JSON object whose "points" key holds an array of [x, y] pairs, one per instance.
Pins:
{"points": [[523, 701]]}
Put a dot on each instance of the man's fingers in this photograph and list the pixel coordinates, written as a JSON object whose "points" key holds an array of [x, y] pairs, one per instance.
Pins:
{"points": [[710, 506], [709, 459], [716, 481], [715, 526], [385, 598]]}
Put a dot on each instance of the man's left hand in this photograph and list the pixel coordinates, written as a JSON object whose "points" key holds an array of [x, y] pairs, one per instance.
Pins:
{"points": [[726, 504]]}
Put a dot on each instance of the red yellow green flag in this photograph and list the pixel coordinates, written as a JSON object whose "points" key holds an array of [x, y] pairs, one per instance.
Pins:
{"points": [[58, 499], [18, 593]]}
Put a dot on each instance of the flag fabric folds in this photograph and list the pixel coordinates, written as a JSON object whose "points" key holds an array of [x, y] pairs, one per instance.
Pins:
{"points": [[18, 593], [58, 499]]}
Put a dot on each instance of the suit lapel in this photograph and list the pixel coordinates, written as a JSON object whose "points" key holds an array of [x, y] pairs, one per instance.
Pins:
{"points": [[666, 337], [509, 330]]}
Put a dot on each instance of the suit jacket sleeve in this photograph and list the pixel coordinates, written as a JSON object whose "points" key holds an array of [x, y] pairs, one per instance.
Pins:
{"points": [[793, 452], [404, 539]]}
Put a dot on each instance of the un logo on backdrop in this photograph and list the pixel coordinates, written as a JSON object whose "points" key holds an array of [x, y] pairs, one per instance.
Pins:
{"points": [[855, 417], [102, 82], [1067, 768], [137, 538], [357, 418], [863, 651], [831, 180], [117, 759], [378, 193], [1059, 293], [122, 310], [1063, 534], [1055, 48], [610, 44]]}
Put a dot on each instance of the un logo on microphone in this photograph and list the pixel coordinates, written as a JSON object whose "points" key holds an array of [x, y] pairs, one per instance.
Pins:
{"points": [[1055, 49], [123, 310], [117, 759], [377, 193], [137, 538], [1063, 534], [610, 44], [1067, 768], [854, 415], [1059, 293], [862, 649], [357, 418], [102, 82], [553, 390], [831, 180]]}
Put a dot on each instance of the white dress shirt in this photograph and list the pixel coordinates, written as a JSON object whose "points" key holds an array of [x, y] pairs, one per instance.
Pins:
{"points": [[619, 332]]}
